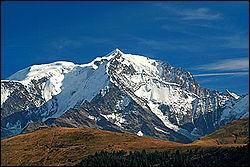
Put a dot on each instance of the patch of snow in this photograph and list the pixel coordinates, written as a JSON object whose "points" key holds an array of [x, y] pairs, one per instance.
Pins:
{"points": [[168, 95], [91, 117], [98, 119], [139, 133], [4, 94], [126, 101], [8, 125], [195, 103], [155, 109], [121, 104], [160, 130], [104, 90], [233, 95], [115, 118]]}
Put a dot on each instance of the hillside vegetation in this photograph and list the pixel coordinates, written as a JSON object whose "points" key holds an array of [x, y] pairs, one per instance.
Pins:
{"points": [[72, 146], [237, 132], [56, 145]]}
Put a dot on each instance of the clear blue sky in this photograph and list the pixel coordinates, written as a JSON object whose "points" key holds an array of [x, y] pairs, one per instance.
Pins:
{"points": [[209, 39]]}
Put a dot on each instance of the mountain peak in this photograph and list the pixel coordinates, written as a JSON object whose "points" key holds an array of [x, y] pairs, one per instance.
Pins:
{"points": [[113, 53], [118, 50]]}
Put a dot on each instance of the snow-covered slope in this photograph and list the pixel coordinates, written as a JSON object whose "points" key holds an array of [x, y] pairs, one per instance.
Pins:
{"points": [[53, 73], [78, 82], [237, 110], [114, 92]]}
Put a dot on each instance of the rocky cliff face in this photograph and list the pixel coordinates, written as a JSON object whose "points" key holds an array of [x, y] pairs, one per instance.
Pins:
{"points": [[118, 92]]}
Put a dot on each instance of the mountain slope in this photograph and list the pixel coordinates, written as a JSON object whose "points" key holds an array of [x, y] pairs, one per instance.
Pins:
{"points": [[117, 92], [237, 132]]}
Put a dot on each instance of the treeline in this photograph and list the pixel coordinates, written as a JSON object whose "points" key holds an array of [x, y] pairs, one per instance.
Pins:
{"points": [[233, 156]]}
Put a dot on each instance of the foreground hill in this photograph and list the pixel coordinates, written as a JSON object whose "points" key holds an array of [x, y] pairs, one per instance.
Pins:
{"points": [[69, 146], [237, 132]]}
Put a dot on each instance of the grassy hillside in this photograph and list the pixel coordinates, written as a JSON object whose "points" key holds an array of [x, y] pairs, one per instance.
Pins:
{"points": [[237, 132], [68, 145]]}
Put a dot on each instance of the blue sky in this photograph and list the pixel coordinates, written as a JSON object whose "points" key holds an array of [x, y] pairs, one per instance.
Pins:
{"points": [[209, 39]]}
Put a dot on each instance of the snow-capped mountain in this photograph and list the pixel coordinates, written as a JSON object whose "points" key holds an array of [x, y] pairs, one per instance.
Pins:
{"points": [[118, 92]]}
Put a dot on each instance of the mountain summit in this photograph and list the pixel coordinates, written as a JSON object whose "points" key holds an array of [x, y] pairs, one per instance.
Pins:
{"points": [[117, 92]]}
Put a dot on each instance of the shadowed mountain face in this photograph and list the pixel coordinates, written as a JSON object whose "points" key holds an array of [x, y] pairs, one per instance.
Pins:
{"points": [[119, 92], [68, 146]]}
